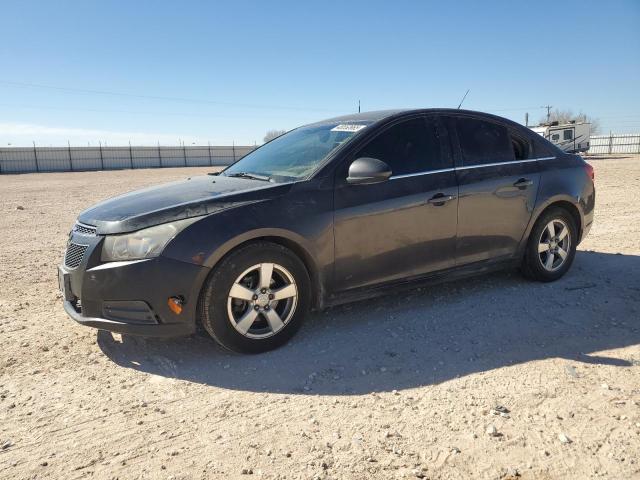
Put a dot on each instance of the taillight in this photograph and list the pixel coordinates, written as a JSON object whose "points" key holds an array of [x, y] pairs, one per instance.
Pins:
{"points": [[590, 171]]}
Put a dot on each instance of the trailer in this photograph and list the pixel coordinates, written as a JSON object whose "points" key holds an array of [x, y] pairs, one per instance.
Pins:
{"points": [[572, 137]]}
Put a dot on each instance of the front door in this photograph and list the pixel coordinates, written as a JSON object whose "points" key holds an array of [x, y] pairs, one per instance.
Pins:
{"points": [[397, 229]]}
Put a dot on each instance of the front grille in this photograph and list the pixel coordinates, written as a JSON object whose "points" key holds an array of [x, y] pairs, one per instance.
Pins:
{"points": [[74, 254], [84, 229]]}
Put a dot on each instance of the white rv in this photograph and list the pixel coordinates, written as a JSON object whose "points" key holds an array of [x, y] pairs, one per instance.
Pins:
{"points": [[572, 137]]}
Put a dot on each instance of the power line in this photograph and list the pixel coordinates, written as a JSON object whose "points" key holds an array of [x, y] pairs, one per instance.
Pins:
{"points": [[128, 112], [514, 109], [158, 97]]}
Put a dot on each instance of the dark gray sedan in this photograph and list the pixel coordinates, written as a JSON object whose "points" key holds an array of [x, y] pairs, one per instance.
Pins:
{"points": [[335, 211]]}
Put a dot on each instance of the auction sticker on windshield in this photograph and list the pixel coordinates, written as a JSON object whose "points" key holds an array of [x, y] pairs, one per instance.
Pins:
{"points": [[347, 128]]}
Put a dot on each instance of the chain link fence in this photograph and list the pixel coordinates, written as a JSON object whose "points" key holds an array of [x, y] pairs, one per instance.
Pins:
{"points": [[71, 159]]}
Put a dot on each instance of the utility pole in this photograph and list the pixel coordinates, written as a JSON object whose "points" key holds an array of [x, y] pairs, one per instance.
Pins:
{"points": [[526, 119], [358, 106], [548, 107]]}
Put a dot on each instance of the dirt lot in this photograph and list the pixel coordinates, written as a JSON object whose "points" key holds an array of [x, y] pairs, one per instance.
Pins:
{"points": [[398, 387]]}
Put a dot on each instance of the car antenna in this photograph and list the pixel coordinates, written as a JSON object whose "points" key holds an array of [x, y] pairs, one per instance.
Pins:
{"points": [[462, 101]]}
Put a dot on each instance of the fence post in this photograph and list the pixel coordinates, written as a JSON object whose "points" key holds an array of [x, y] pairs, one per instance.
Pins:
{"points": [[159, 154], [130, 155], [69, 150], [184, 153], [35, 155], [210, 161], [101, 157], [610, 142]]}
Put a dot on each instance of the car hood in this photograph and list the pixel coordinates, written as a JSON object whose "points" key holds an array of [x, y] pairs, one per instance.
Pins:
{"points": [[192, 197]]}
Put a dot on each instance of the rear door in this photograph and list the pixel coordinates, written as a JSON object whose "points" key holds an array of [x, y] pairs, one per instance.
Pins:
{"points": [[498, 183], [404, 226]]}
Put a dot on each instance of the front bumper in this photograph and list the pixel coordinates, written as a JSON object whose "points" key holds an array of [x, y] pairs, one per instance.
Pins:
{"points": [[156, 330], [132, 297]]}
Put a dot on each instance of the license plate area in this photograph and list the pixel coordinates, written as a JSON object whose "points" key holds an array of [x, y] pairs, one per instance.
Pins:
{"points": [[64, 283]]}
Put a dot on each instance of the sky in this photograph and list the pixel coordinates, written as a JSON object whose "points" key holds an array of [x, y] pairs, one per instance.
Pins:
{"points": [[150, 72]]}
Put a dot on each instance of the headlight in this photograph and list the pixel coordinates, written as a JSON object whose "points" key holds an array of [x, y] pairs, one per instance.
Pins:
{"points": [[145, 243]]}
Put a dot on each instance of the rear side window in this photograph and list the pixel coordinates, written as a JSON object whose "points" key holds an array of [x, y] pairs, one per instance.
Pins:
{"points": [[413, 146], [543, 147], [484, 142], [568, 134], [521, 148]]}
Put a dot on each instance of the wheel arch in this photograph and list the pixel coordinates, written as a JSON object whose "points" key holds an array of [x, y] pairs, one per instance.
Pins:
{"points": [[573, 211], [566, 203], [285, 239]]}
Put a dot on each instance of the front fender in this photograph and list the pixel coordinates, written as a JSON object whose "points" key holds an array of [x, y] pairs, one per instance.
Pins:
{"points": [[301, 222]]}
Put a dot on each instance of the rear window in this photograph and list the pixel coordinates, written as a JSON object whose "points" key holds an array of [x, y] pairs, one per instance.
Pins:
{"points": [[484, 142]]}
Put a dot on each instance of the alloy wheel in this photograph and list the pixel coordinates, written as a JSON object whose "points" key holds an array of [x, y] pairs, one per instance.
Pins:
{"points": [[262, 300], [554, 245]]}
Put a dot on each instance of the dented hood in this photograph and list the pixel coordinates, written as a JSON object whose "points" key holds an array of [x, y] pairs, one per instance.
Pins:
{"points": [[188, 198]]}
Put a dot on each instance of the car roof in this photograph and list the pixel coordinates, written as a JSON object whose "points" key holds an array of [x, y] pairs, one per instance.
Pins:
{"points": [[362, 117], [380, 115]]}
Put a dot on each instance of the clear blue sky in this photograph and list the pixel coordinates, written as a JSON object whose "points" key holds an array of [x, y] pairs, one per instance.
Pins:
{"points": [[228, 71]]}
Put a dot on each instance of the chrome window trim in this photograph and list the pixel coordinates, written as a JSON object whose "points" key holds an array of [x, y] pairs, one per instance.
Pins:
{"points": [[406, 175], [468, 167], [497, 164]]}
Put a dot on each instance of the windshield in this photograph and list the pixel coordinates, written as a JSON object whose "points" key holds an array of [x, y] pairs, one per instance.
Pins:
{"points": [[296, 154]]}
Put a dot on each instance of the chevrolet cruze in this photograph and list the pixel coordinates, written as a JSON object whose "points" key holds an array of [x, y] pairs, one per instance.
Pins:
{"points": [[338, 210]]}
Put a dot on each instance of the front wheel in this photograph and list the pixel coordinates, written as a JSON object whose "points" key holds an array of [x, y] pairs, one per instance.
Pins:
{"points": [[256, 298], [551, 246]]}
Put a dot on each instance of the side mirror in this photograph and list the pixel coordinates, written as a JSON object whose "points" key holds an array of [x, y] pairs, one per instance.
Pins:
{"points": [[368, 170]]}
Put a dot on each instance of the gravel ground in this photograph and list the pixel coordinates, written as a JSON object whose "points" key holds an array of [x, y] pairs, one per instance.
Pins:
{"points": [[491, 377]]}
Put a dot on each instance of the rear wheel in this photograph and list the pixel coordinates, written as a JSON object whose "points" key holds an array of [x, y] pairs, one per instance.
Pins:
{"points": [[551, 246], [256, 299]]}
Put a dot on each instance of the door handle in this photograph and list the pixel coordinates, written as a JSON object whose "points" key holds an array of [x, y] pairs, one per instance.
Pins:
{"points": [[440, 199], [523, 183]]}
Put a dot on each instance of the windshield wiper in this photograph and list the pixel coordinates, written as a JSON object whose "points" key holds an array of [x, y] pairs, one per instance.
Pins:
{"points": [[253, 176]]}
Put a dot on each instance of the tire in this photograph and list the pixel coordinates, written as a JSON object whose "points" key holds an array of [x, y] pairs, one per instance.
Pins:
{"points": [[536, 264], [240, 313]]}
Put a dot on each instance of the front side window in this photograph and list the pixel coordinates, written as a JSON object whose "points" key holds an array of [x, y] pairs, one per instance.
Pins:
{"points": [[484, 142], [413, 146], [555, 137], [296, 154], [568, 134]]}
